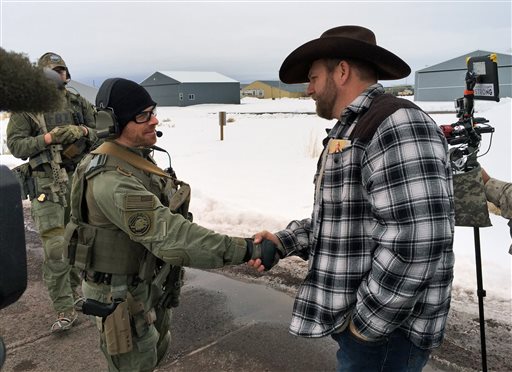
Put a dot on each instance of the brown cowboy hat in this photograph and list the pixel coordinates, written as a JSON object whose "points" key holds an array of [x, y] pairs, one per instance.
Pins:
{"points": [[354, 42]]}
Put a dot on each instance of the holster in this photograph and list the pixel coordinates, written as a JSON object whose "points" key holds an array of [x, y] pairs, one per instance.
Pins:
{"points": [[117, 330]]}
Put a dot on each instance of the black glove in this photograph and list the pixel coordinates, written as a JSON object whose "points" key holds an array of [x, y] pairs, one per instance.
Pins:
{"points": [[266, 251]]}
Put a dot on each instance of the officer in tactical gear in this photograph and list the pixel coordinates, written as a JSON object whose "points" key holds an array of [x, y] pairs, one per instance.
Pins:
{"points": [[24, 87], [131, 233], [54, 142]]}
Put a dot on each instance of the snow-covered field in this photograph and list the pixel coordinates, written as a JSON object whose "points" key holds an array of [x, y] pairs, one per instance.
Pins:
{"points": [[260, 176]]}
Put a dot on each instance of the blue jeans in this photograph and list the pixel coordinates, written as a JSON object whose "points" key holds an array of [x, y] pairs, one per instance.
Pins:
{"points": [[392, 354]]}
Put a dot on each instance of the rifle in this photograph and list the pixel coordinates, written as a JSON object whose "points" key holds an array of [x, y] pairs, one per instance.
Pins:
{"points": [[58, 188], [79, 146], [171, 287]]}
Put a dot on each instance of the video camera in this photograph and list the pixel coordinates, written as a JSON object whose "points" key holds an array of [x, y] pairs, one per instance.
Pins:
{"points": [[481, 84], [465, 136]]}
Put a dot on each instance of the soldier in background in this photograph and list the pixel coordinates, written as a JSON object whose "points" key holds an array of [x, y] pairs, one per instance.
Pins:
{"points": [[23, 87], [54, 142]]}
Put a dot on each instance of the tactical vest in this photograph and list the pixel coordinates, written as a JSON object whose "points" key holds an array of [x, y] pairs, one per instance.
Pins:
{"points": [[70, 114], [101, 251]]}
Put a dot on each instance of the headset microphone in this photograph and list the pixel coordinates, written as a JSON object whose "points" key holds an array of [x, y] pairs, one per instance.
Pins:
{"points": [[167, 170], [159, 134]]}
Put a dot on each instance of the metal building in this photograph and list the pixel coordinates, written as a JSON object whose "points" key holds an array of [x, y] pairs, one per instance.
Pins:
{"points": [[86, 91], [273, 89], [445, 81], [185, 88]]}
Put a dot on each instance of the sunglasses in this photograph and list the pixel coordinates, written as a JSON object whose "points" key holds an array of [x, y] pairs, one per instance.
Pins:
{"points": [[144, 116]]}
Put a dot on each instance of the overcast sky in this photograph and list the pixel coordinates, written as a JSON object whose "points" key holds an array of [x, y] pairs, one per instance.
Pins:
{"points": [[244, 40]]}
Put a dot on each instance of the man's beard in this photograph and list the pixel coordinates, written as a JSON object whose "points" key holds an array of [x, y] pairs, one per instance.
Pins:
{"points": [[325, 101]]}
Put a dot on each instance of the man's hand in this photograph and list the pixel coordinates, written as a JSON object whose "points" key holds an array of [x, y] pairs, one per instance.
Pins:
{"points": [[259, 237], [66, 134], [263, 255]]}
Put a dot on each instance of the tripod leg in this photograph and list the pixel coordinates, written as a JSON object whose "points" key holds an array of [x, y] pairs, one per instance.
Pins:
{"points": [[481, 294]]}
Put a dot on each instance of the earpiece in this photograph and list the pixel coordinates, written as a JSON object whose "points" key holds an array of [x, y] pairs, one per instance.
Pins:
{"points": [[106, 123], [108, 118]]}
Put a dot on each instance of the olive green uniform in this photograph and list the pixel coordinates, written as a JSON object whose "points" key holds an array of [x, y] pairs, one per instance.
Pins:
{"points": [[25, 139], [121, 210]]}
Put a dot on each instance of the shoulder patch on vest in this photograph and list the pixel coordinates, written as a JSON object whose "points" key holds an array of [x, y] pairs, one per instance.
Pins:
{"points": [[139, 223], [97, 161], [137, 202]]}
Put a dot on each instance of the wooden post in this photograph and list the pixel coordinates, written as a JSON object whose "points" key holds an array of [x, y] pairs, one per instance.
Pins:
{"points": [[222, 123]]}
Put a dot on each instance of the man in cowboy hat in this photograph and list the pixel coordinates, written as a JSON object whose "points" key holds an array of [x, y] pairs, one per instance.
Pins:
{"points": [[379, 242]]}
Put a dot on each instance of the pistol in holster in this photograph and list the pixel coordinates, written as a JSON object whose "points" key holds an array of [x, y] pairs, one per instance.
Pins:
{"points": [[99, 309], [115, 323]]}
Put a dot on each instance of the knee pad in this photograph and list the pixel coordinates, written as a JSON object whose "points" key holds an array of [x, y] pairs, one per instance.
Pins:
{"points": [[54, 247]]}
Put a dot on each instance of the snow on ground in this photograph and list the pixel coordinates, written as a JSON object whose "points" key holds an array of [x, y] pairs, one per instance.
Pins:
{"points": [[261, 176]]}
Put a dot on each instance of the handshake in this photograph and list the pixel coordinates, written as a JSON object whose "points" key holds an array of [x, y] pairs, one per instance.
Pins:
{"points": [[262, 255]]}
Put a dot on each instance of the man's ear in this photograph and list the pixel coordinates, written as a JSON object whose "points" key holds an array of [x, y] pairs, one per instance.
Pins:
{"points": [[343, 71]]}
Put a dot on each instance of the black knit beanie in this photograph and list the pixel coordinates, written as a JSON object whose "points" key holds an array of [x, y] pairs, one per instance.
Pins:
{"points": [[128, 99]]}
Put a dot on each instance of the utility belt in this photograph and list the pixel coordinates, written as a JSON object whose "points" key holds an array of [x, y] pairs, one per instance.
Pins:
{"points": [[39, 183], [41, 170], [31, 177], [124, 315], [168, 278], [98, 277]]}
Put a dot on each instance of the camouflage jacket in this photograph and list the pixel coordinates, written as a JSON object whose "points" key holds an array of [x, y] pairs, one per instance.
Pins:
{"points": [[500, 194]]}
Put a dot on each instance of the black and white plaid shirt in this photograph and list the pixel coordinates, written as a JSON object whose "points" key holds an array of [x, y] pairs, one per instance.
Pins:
{"points": [[379, 242]]}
